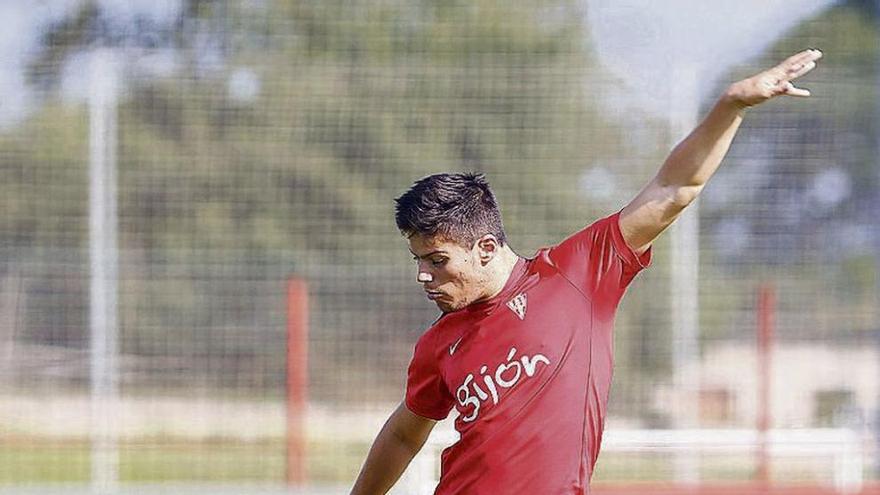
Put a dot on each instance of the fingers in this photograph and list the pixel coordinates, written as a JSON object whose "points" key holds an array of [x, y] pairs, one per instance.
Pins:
{"points": [[801, 58], [800, 63], [794, 67], [790, 90], [797, 71]]}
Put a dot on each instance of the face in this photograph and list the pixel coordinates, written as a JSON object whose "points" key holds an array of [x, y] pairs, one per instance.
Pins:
{"points": [[451, 275]]}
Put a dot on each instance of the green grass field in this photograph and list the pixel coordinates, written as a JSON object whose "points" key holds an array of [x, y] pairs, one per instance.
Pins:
{"points": [[26, 460], [38, 461]]}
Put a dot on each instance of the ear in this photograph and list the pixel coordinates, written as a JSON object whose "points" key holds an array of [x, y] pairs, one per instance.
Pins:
{"points": [[487, 247]]}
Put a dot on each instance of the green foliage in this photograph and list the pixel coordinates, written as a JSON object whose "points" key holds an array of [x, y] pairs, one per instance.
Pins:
{"points": [[355, 101]]}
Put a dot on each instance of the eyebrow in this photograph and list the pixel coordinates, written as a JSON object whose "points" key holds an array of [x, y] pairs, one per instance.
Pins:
{"points": [[432, 253]]}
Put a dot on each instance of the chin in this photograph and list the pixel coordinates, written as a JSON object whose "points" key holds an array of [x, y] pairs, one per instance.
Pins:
{"points": [[444, 307], [448, 307]]}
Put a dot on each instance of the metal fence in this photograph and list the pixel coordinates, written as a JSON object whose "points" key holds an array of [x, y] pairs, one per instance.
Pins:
{"points": [[169, 166]]}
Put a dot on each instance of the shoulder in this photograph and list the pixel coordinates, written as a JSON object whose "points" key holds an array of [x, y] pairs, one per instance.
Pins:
{"points": [[603, 235], [541, 263]]}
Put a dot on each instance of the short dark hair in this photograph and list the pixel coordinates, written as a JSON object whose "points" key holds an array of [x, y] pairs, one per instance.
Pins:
{"points": [[460, 208]]}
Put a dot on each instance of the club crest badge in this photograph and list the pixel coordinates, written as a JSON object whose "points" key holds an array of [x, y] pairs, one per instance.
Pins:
{"points": [[518, 306]]}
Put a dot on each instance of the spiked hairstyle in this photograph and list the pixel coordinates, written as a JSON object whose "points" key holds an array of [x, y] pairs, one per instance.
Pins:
{"points": [[459, 208]]}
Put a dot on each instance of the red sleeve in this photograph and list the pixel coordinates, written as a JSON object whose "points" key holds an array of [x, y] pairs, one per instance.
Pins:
{"points": [[598, 261], [426, 393]]}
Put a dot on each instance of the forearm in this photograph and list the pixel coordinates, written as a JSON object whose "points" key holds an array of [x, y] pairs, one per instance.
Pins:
{"points": [[695, 160], [388, 458]]}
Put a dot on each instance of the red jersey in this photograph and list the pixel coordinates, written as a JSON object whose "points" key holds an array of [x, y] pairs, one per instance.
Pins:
{"points": [[529, 370]]}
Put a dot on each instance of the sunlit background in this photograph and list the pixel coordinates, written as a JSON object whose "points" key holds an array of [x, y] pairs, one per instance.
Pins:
{"points": [[202, 289]]}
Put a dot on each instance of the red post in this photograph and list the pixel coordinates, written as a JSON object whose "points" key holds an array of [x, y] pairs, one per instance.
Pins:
{"points": [[297, 378], [766, 325]]}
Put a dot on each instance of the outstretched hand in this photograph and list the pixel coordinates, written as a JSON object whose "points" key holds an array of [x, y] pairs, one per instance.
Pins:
{"points": [[776, 81]]}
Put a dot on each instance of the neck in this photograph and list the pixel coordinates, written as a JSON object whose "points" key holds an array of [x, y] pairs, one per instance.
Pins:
{"points": [[500, 273]]}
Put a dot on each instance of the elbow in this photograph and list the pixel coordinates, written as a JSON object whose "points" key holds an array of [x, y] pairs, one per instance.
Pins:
{"points": [[679, 196], [682, 196]]}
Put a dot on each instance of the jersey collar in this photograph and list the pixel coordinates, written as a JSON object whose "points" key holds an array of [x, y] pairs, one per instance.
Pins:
{"points": [[519, 269]]}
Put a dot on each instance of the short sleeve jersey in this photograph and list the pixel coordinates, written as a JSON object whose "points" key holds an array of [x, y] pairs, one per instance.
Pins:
{"points": [[529, 370]]}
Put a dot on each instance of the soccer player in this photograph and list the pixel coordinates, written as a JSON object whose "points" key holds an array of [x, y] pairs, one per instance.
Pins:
{"points": [[523, 348]]}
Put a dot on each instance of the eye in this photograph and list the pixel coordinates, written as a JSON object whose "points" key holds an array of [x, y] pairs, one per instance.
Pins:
{"points": [[439, 262]]}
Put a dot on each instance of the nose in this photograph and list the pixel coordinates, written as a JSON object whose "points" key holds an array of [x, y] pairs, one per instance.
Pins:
{"points": [[424, 276]]}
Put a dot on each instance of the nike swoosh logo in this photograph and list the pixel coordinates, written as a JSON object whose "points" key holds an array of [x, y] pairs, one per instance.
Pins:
{"points": [[454, 346]]}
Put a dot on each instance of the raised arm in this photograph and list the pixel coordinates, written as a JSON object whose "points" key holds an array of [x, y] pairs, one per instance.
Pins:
{"points": [[691, 164], [400, 440]]}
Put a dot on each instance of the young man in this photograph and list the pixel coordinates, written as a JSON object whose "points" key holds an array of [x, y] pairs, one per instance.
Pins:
{"points": [[523, 347]]}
